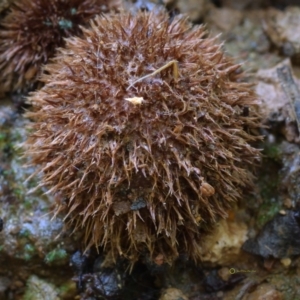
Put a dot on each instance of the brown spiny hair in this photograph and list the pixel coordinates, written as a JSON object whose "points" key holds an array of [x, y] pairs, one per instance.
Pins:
{"points": [[33, 29], [141, 128]]}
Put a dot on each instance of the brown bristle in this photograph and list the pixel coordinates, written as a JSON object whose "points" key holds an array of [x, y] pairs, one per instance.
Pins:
{"points": [[33, 29], [140, 127]]}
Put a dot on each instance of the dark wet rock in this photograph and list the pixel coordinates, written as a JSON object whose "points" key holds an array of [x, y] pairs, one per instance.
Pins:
{"points": [[291, 171], [4, 284], [107, 281], [96, 281], [279, 238], [7, 116], [1, 224], [213, 282], [79, 262], [138, 203], [144, 5], [141, 284]]}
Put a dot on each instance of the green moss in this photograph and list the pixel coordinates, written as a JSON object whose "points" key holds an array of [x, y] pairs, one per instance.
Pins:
{"points": [[16, 136], [27, 204], [24, 233], [29, 251], [56, 256], [7, 173], [4, 141], [18, 192], [8, 139], [3, 136], [272, 151], [68, 290], [268, 183], [268, 209]]}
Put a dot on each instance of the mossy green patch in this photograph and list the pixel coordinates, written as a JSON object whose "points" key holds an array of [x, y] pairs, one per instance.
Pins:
{"points": [[268, 209], [56, 256], [24, 233], [268, 183], [29, 251], [272, 151]]}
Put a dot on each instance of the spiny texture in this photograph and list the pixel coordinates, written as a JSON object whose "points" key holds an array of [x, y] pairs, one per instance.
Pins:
{"points": [[32, 31], [4, 4], [144, 162]]}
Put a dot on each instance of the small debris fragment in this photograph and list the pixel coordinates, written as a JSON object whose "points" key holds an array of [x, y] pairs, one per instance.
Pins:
{"points": [[268, 263], [286, 262], [224, 273], [135, 100], [206, 189], [287, 203], [173, 63], [159, 259]]}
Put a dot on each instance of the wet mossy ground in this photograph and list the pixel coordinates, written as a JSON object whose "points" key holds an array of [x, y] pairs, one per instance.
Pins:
{"points": [[268, 183]]}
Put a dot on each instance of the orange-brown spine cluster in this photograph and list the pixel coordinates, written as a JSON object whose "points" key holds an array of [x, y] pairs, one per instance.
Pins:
{"points": [[140, 127]]}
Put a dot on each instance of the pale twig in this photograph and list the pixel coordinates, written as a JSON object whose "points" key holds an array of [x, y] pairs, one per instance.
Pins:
{"points": [[175, 72]]}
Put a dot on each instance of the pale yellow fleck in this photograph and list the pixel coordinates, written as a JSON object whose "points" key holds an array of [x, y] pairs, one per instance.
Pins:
{"points": [[135, 100], [286, 262]]}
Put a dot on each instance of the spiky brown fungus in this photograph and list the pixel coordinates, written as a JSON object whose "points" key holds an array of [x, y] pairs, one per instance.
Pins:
{"points": [[145, 155], [33, 29]]}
